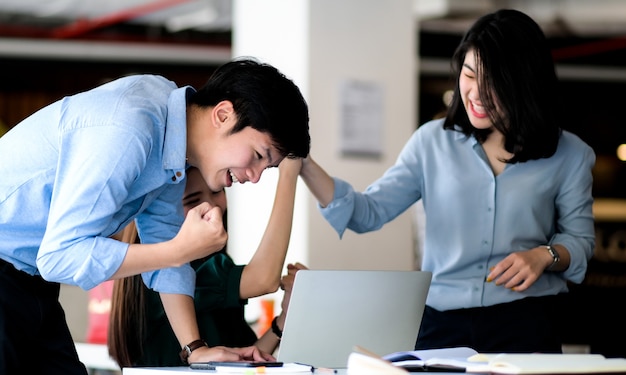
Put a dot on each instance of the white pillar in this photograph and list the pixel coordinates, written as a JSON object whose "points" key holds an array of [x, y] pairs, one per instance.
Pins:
{"points": [[322, 44]]}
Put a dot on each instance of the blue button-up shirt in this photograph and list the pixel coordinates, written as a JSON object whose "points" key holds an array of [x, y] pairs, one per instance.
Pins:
{"points": [[80, 169], [474, 219]]}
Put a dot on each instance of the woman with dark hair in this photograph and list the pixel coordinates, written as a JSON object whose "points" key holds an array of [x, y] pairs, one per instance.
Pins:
{"points": [[140, 333], [506, 193]]}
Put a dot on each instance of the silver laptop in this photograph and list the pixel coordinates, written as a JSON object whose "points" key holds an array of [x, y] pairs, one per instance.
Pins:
{"points": [[331, 311]]}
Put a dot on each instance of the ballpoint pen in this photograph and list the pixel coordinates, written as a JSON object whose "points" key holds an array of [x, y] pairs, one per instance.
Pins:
{"points": [[319, 370]]}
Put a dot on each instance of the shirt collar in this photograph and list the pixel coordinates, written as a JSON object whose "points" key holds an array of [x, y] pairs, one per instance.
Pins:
{"points": [[175, 143], [459, 136]]}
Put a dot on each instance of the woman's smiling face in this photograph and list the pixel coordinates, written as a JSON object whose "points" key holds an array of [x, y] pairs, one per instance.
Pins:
{"points": [[470, 95], [197, 191]]}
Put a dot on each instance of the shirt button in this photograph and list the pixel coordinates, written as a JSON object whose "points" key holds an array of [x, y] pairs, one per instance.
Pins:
{"points": [[173, 178], [178, 174]]}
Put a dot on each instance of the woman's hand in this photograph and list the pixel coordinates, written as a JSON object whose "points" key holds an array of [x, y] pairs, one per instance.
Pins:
{"points": [[222, 353], [290, 167], [286, 284], [519, 270]]}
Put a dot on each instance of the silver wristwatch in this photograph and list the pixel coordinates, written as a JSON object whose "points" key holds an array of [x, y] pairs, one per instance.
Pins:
{"points": [[555, 256]]}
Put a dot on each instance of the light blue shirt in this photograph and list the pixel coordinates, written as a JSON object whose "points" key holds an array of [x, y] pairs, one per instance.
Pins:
{"points": [[80, 169], [473, 218]]}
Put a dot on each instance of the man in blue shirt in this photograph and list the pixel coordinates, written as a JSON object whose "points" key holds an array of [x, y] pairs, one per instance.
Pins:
{"points": [[79, 170]]}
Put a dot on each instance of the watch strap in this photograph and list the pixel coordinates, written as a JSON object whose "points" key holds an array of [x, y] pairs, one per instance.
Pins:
{"points": [[276, 330], [187, 349]]}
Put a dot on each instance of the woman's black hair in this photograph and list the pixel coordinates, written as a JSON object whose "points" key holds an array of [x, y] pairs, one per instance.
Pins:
{"points": [[517, 76]]}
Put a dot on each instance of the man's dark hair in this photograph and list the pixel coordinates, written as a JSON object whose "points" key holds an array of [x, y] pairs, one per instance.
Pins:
{"points": [[264, 99]]}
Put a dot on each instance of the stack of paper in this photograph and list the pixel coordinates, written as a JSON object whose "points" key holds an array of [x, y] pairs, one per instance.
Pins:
{"points": [[468, 360], [464, 359], [539, 363], [363, 364]]}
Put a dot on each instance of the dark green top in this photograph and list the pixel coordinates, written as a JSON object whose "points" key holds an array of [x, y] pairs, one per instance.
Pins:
{"points": [[219, 310]]}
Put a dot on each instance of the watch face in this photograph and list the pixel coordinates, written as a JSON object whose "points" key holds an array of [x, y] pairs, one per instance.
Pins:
{"points": [[554, 253]]}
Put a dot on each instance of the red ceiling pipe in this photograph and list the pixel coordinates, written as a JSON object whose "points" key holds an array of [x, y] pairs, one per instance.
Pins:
{"points": [[589, 49], [83, 26]]}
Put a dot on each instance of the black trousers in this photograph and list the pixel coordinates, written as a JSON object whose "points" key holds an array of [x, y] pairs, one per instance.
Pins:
{"points": [[523, 326], [34, 336]]}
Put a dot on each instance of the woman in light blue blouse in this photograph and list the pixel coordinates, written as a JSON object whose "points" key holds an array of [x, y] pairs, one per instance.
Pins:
{"points": [[507, 195]]}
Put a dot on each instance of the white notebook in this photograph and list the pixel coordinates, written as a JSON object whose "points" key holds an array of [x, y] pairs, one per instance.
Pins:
{"points": [[331, 311]]}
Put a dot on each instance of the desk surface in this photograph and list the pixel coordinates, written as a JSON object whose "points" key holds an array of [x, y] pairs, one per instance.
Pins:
{"points": [[187, 370], [159, 370], [96, 356]]}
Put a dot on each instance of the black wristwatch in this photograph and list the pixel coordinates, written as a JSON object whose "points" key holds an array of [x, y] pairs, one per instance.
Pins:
{"points": [[276, 329], [187, 349], [555, 256]]}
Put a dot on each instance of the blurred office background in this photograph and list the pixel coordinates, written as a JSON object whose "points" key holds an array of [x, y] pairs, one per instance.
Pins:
{"points": [[389, 58]]}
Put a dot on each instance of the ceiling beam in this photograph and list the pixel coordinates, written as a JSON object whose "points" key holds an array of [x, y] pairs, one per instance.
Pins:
{"points": [[113, 51], [83, 26]]}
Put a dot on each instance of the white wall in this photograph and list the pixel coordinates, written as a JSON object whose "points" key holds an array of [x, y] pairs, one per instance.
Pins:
{"points": [[74, 301], [373, 41], [321, 43]]}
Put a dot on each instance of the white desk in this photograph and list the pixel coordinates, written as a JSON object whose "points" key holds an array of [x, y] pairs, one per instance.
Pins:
{"points": [[96, 357], [186, 370], [160, 370]]}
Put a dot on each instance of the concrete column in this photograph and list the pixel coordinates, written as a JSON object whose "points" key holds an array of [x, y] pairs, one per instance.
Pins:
{"points": [[321, 45]]}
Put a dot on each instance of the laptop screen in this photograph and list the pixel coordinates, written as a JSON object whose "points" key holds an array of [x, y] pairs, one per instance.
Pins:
{"points": [[331, 311]]}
